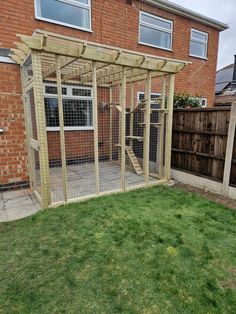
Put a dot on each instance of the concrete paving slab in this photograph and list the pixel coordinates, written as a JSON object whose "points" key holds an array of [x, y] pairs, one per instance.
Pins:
{"points": [[3, 216], [19, 201], [8, 195], [22, 212]]}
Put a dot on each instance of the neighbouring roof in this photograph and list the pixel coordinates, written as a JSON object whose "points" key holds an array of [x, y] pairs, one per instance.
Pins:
{"points": [[224, 77], [179, 10]]}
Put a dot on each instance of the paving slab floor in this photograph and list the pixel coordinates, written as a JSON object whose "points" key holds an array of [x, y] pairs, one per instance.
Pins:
{"points": [[17, 204]]}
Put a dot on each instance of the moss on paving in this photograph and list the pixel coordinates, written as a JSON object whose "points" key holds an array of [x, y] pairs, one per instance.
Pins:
{"points": [[157, 250]]}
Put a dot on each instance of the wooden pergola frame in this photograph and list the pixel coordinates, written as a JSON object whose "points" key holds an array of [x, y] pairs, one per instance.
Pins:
{"points": [[64, 59]]}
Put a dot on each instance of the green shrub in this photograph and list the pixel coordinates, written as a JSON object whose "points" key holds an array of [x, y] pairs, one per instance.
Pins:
{"points": [[184, 100]]}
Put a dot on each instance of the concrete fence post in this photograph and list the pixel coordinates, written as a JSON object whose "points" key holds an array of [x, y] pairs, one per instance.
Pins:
{"points": [[229, 151]]}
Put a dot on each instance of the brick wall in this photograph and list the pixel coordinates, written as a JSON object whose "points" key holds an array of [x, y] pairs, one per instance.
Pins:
{"points": [[113, 23], [12, 140]]}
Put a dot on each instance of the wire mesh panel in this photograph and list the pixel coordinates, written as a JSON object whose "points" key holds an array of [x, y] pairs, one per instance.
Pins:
{"points": [[34, 162]]}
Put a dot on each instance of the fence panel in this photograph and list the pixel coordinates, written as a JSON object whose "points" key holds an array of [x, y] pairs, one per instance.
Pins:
{"points": [[199, 142]]}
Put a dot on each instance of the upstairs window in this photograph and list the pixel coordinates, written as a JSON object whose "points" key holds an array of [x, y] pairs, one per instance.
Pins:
{"points": [[155, 31], [198, 44], [72, 13], [77, 107]]}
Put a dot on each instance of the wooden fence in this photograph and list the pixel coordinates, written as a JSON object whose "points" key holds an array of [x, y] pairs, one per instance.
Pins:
{"points": [[200, 138]]}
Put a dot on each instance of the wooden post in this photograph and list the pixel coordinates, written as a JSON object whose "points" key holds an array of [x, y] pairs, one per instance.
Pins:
{"points": [[229, 150], [146, 148], [61, 124], [160, 145], [95, 125], [111, 129], [41, 129], [123, 126], [131, 113], [28, 130], [169, 119]]}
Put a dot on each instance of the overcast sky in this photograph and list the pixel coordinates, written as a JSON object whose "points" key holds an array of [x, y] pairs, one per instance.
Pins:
{"points": [[224, 11]]}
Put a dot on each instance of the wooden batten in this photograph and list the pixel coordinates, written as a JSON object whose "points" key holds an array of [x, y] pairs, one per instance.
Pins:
{"points": [[123, 127], [168, 142], [147, 113], [95, 125], [61, 124], [41, 129]]}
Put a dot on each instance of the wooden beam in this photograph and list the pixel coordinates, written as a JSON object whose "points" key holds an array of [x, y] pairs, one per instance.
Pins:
{"points": [[16, 59], [131, 112], [82, 70], [123, 127], [160, 144], [22, 47], [61, 124], [111, 125], [52, 69], [95, 125], [76, 40], [19, 53], [100, 54], [147, 115], [229, 150], [169, 121]]}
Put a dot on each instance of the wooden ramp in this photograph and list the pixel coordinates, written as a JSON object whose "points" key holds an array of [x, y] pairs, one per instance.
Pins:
{"points": [[134, 161]]}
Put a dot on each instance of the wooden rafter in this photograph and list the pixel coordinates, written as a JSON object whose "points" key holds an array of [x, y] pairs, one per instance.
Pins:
{"points": [[52, 69], [101, 54]]}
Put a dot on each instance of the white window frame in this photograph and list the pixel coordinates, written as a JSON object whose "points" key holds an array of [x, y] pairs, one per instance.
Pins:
{"points": [[157, 28], [71, 2], [6, 60], [205, 42], [69, 95], [203, 99], [143, 93]]}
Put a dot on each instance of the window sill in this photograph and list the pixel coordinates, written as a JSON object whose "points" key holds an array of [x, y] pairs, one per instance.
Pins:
{"points": [[57, 129], [7, 60], [197, 57], [153, 46], [89, 30]]}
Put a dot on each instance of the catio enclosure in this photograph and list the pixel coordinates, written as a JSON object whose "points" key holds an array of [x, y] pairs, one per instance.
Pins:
{"points": [[87, 132]]}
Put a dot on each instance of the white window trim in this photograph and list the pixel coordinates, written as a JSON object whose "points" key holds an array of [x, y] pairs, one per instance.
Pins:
{"points": [[157, 28], [71, 2], [205, 42], [70, 96], [6, 60], [201, 99], [143, 93]]}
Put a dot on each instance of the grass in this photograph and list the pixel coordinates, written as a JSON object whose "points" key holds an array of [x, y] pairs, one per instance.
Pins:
{"points": [[157, 250]]}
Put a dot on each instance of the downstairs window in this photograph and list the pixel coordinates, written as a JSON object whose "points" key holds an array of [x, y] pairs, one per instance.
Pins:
{"points": [[77, 108]]}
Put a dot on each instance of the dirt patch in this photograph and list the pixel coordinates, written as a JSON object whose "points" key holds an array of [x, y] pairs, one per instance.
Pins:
{"points": [[228, 202], [230, 282]]}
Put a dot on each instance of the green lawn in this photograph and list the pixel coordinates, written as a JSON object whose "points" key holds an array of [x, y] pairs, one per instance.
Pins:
{"points": [[157, 250]]}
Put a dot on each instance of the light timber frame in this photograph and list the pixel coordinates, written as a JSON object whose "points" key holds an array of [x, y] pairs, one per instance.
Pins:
{"points": [[64, 60]]}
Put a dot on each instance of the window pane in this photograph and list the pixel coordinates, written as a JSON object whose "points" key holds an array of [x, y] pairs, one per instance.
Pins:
{"points": [[81, 92], [155, 21], [53, 90], [197, 49], [199, 36], [77, 112], [155, 37], [51, 110], [64, 12]]}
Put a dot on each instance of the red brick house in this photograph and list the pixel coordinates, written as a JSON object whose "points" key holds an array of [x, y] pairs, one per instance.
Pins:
{"points": [[151, 26]]}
